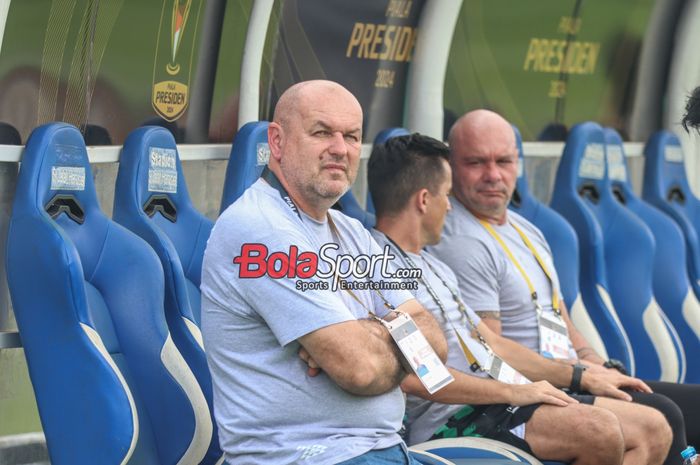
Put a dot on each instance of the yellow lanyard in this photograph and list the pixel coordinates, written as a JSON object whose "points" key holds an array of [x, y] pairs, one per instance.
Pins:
{"points": [[543, 266]]}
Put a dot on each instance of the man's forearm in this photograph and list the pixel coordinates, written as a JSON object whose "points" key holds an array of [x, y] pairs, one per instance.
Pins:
{"points": [[385, 355], [583, 349], [465, 389], [531, 364], [588, 354]]}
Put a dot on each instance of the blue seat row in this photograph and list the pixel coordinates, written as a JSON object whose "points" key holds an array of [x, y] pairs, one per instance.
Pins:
{"points": [[110, 379], [109, 319], [630, 255], [112, 338]]}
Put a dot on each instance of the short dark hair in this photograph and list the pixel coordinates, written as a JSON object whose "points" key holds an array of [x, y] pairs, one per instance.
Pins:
{"points": [[691, 119], [402, 166]]}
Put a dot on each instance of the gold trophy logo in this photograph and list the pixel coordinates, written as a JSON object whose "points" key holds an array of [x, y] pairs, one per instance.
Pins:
{"points": [[173, 63], [181, 10]]}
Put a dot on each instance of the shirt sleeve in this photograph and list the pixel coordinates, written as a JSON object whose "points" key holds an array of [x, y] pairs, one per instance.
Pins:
{"points": [[476, 271], [286, 308]]}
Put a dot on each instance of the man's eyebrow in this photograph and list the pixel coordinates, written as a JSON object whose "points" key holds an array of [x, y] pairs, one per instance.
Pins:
{"points": [[319, 124]]}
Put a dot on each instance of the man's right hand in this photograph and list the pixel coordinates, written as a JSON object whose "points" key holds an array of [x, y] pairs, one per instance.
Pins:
{"points": [[313, 369], [539, 392], [609, 382]]}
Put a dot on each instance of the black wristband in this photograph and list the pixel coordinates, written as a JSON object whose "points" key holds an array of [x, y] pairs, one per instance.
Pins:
{"points": [[576, 376]]}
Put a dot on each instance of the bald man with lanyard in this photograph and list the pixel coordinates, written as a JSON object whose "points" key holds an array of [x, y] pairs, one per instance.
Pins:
{"points": [[504, 265], [306, 375]]}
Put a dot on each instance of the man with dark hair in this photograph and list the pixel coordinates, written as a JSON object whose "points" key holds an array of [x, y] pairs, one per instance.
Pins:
{"points": [[391, 188], [410, 181], [505, 267], [691, 119]]}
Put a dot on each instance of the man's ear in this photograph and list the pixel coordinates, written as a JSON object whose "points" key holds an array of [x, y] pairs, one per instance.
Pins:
{"points": [[421, 200], [275, 137]]}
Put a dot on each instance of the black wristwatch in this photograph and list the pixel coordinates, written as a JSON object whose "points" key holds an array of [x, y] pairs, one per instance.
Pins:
{"points": [[576, 376], [616, 364]]}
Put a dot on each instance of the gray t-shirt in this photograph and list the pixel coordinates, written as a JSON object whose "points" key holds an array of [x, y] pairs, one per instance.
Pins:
{"points": [[488, 279], [267, 408], [425, 417]]}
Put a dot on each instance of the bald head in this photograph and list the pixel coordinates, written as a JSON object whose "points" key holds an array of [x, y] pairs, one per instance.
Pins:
{"points": [[484, 160], [317, 94], [478, 129]]}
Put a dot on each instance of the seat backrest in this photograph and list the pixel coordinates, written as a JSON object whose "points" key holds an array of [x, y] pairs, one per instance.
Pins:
{"points": [[250, 153], [352, 208], [627, 251], [9, 135], [152, 200], [592, 280], [666, 187], [94, 134], [670, 278], [563, 243], [88, 297]]}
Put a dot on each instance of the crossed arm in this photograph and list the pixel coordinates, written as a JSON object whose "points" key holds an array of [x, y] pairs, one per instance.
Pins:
{"points": [[361, 357]]}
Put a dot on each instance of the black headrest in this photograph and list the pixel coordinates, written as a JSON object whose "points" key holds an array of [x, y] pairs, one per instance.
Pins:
{"points": [[96, 135], [9, 135]]}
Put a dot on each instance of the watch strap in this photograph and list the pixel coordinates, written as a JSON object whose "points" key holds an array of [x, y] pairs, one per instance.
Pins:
{"points": [[576, 376]]}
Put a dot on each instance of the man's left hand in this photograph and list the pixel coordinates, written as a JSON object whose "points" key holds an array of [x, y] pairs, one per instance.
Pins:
{"points": [[608, 382]]}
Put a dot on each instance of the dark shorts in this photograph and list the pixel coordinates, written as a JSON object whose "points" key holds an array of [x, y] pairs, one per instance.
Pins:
{"points": [[494, 422]]}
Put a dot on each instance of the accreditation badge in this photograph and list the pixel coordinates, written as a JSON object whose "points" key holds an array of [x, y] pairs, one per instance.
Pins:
{"points": [[417, 351], [554, 337], [505, 373], [486, 360], [172, 65]]}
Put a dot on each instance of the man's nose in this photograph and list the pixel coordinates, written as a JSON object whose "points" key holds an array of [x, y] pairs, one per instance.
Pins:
{"points": [[492, 172], [338, 145]]}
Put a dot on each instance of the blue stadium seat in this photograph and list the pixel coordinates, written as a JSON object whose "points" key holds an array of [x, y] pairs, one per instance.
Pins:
{"points": [[613, 238], [151, 199], [110, 384], [670, 276], [473, 450], [593, 280], [426, 458], [564, 246], [243, 169], [666, 187], [352, 208]]}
